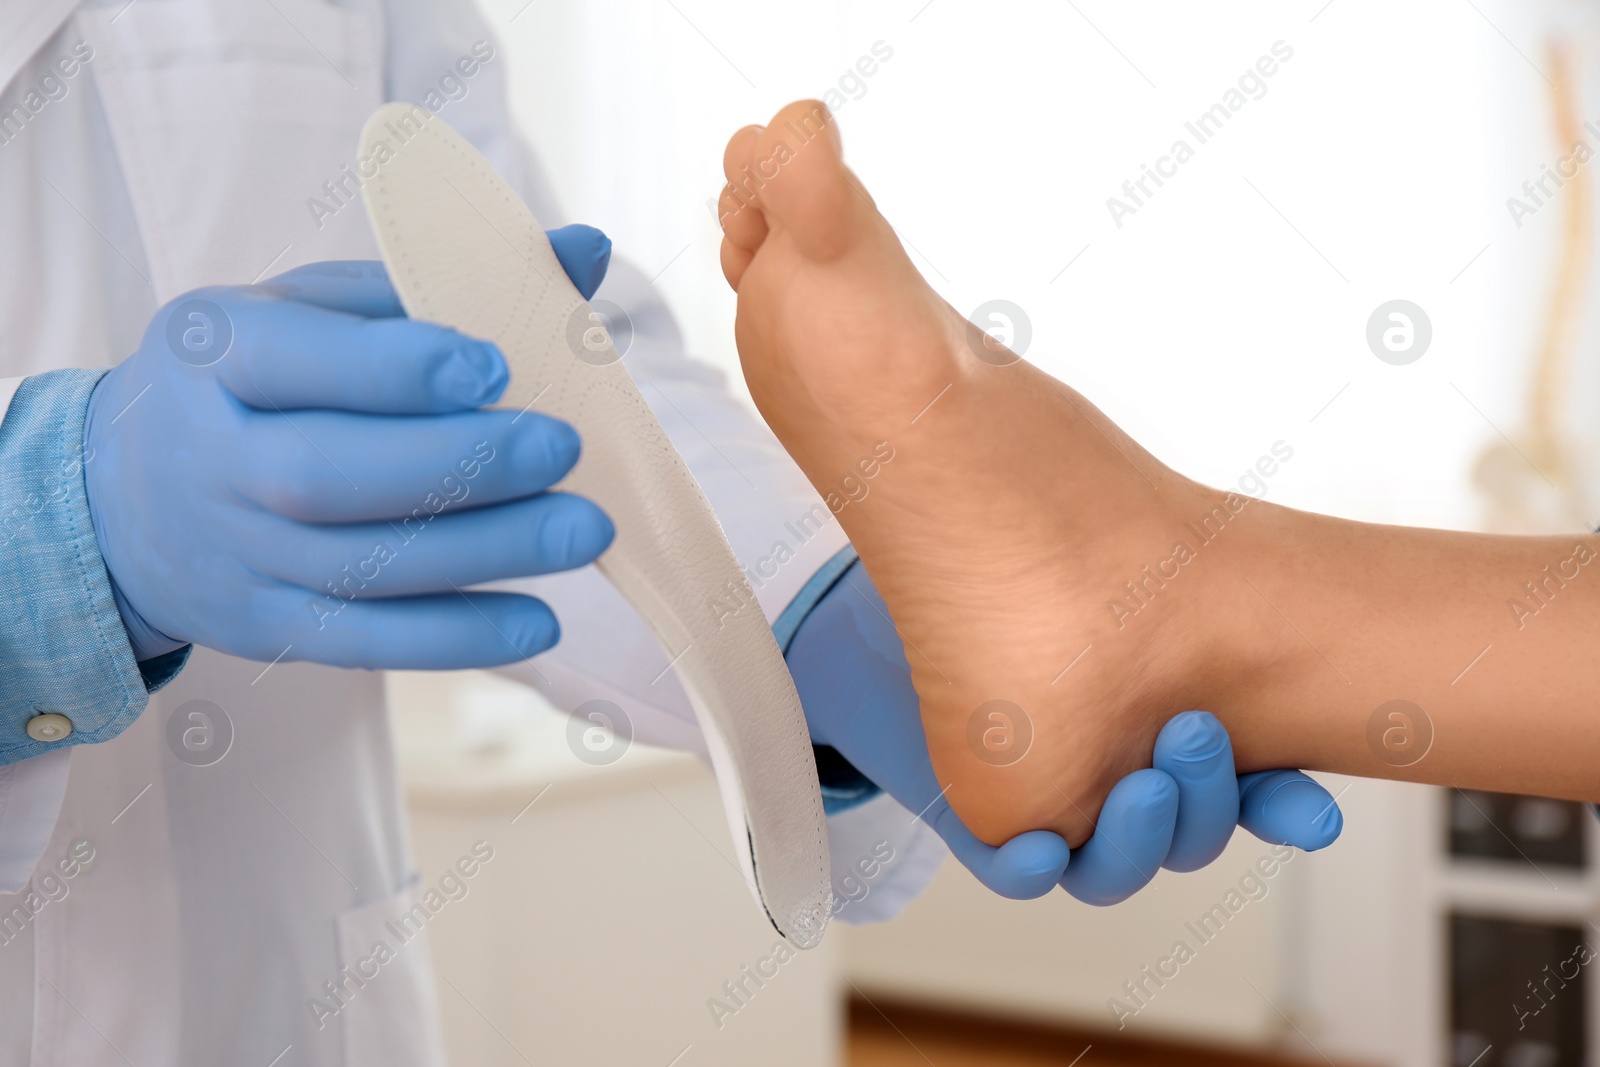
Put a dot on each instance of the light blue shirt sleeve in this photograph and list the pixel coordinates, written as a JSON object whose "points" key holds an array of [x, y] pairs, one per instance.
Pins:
{"points": [[787, 624], [63, 648]]}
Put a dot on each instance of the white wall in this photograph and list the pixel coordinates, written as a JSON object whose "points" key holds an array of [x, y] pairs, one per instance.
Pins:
{"points": [[1206, 323]]}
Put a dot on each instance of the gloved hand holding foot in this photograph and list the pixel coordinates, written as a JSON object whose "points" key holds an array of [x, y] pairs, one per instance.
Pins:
{"points": [[850, 668], [295, 470], [1042, 567], [847, 349]]}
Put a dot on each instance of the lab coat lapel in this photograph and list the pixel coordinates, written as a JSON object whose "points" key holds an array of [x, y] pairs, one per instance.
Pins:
{"points": [[229, 119], [25, 25]]}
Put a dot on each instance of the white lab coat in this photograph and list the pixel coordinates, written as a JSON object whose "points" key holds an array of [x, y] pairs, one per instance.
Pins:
{"points": [[221, 899]]}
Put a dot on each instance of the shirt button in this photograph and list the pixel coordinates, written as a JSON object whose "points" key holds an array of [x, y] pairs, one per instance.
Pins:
{"points": [[49, 727]]}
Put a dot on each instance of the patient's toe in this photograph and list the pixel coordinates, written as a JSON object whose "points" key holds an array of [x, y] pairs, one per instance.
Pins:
{"points": [[799, 175]]}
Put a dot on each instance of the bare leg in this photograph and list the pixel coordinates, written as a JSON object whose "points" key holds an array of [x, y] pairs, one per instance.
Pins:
{"points": [[1034, 555]]}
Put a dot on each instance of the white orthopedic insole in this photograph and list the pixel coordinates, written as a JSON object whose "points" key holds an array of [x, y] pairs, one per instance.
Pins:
{"points": [[463, 250]]}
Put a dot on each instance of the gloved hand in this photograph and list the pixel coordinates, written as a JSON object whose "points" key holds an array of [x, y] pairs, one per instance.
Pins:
{"points": [[296, 470], [850, 669]]}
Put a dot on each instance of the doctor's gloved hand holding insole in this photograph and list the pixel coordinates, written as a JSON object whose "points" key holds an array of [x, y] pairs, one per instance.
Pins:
{"points": [[295, 470]]}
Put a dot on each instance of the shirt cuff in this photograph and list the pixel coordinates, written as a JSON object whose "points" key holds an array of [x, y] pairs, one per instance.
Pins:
{"points": [[787, 624], [64, 650], [843, 787]]}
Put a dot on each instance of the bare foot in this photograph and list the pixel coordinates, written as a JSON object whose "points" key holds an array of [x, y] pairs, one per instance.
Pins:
{"points": [[996, 510]]}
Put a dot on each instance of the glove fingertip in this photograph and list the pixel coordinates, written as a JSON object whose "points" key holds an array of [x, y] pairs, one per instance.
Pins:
{"points": [[1151, 794], [531, 628], [1191, 737], [602, 264], [1292, 809], [470, 375], [585, 254], [1030, 864], [1327, 828]]}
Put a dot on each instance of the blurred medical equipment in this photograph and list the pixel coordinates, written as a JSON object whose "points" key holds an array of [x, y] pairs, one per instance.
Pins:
{"points": [[1534, 480]]}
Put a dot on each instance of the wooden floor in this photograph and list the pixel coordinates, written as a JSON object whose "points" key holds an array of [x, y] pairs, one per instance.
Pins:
{"points": [[884, 1034]]}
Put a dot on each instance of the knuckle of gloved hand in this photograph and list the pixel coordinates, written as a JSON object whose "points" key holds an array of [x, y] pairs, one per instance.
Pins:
{"points": [[1158, 799], [231, 299], [298, 280], [217, 294], [531, 630], [1140, 805], [289, 489], [196, 331]]}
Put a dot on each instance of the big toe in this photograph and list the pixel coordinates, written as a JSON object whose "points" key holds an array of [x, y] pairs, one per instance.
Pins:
{"points": [[796, 172]]}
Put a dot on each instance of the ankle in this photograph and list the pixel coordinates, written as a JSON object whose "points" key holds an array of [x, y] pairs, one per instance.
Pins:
{"points": [[1252, 655]]}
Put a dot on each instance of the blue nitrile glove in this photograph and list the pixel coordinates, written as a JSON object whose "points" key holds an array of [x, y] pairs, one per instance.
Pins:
{"points": [[850, 668], [296, 470]]}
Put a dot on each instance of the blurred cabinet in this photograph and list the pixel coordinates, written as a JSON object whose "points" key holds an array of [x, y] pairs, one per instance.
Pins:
{"points": [[612, 920], [1519, 898], [1537, 971], [1539, 831], [1454, 932]]}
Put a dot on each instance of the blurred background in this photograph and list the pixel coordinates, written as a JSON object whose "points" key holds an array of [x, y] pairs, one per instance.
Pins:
{"points": [[1427, 161]]}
